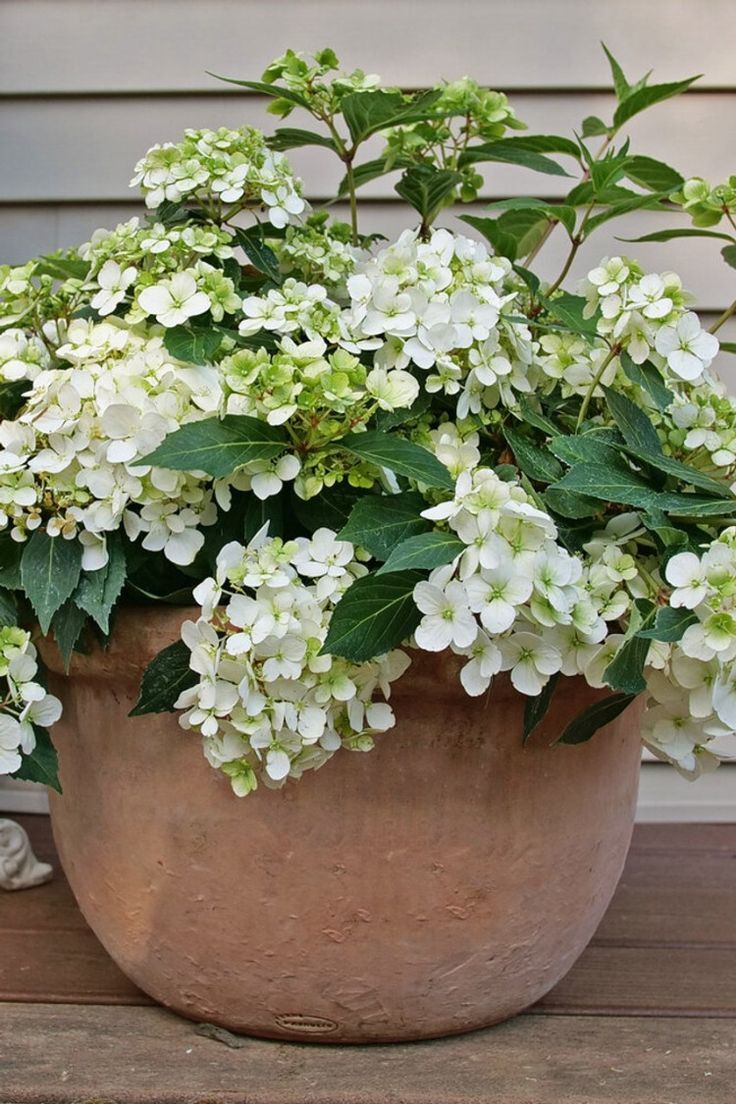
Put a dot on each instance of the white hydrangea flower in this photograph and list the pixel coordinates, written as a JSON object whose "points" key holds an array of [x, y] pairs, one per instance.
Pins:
{"points": [[175, 300]]}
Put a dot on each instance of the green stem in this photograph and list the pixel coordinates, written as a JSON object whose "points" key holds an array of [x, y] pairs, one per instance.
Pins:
{"points": [[724, 318], [353, 200], [612, 352]]}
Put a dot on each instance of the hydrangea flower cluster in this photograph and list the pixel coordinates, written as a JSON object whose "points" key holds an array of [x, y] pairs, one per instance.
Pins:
{"points": [[268, 703], [221, 166], [25, 703]]}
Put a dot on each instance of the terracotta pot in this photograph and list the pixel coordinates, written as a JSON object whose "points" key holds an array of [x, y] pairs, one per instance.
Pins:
{"points": [[441, 883]]}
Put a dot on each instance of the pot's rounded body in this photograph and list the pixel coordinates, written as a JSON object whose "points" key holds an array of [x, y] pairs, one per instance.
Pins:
{"points": [[441, 883]]}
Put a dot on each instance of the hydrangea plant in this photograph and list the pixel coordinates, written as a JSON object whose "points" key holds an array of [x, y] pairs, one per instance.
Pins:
{"points": [[342, 448]]}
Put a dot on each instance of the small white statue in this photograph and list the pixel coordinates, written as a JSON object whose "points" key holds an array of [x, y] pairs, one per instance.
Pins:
{"points": [[19, 867]]}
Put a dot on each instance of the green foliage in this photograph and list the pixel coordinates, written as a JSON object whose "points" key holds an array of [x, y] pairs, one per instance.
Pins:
{"points": [[535, 709], [219, 446], [398, 455], [428, 189], [50, 568], [261, 256], [98, 591], [375, 615], [426, 551], [379, 523], [596, 716], [42, 765], [164, 679]]}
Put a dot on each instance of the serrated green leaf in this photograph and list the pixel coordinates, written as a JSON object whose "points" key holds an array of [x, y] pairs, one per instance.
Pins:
{"points": [[537, 418], [536, 462], [669, 624], [258, 253], [49, 568], [11, 553], [535, 709], [8, 607], [373, 616], [623, 207], [164, 679], [98, 591], [368, 112], [583, 448], [649, 378], [503, 244], [193, 344], [570, 310], [424, 551], [636, 429], [512, 151], [286, 138], [62, 266], [648, 96], [596, 716], [42, 765], [381, 522], [330, 509], [67, 625], [617, 483], [427, 189], [652, 174], [620, 84], [569, 504], [218, 446], [398, 455]]}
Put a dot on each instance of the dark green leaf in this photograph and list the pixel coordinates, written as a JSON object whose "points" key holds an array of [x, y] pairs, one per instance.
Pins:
{"points": [[583, 448], [398, 455], [536, 462], [569, 309], [11, 553], [600, 713], [620, 84], [277, 91], [363, 174], [729, 255], [164, 679], [50, 568], [426, 550], [12, 397], [669, 624], [536, 417], [652, 174], [98, 591], [258, 253], [67, 625], [374, 615], [381, 522], [218, 446], [570, 505], [193, 344], [649, 379], [368, 112], [636, 429], [513, 151], [622, 207], [427, 189], [684, 232], [728, 346], [503, 244], [42, 765], [389, 419], [625, 672], [62, 266], [8, 607], [647, 96], [535, 709], [593, 127], [286, 138], [330, 509]]}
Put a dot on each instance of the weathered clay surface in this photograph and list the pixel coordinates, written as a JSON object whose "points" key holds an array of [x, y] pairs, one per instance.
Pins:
{"points": [[441, 883]]}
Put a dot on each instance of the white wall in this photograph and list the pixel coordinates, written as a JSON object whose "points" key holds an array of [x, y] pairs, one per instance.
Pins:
{"points": [[87, 85]]}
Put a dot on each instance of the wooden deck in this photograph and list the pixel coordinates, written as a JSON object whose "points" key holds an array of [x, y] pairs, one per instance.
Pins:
{"points": [[647, 1016]]}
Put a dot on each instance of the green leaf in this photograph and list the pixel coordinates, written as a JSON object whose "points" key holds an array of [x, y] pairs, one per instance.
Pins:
{"points": [[218, 446], [277, 91], [570, 505], [12, 397], [728, 346], [525, 227], [593, 127], [398, 455], [11, 553], [622, 207], [42, 765], [286, 138], [381, 522], [535, 709], [669, 624], [427, 189], [620, 84], [503, 244], [98, 591], [647, 96], [684, 232], [374, 615], [368, 112], [426, 550], [330, 509], [193, 344], [8, 607], [617, 483], [649, 379], [583, 448], [569, 309], [389, 419], [67, 625], [164, 679], [652, 174], [552, 212], [62, 266], [258, 253], [49, 569], [625, 672], [600, 713], [513, 151], [729, 255], [636, 429], [364, 173], [537, 463]]}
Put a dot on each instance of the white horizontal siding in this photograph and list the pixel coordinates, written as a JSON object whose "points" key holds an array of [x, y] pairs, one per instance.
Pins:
{"points": [[134, 45]]}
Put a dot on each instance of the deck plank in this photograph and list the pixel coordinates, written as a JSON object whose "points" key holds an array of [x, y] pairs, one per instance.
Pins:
{"points": [[81, 1055]]}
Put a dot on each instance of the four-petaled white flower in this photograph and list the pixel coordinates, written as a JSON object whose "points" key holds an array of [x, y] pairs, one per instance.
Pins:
{"points": [[175, 300]]}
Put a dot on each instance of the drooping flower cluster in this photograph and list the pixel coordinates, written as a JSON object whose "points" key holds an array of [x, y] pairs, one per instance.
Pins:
{"points": [[268, 703], [221, 166], [25, 703]]}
